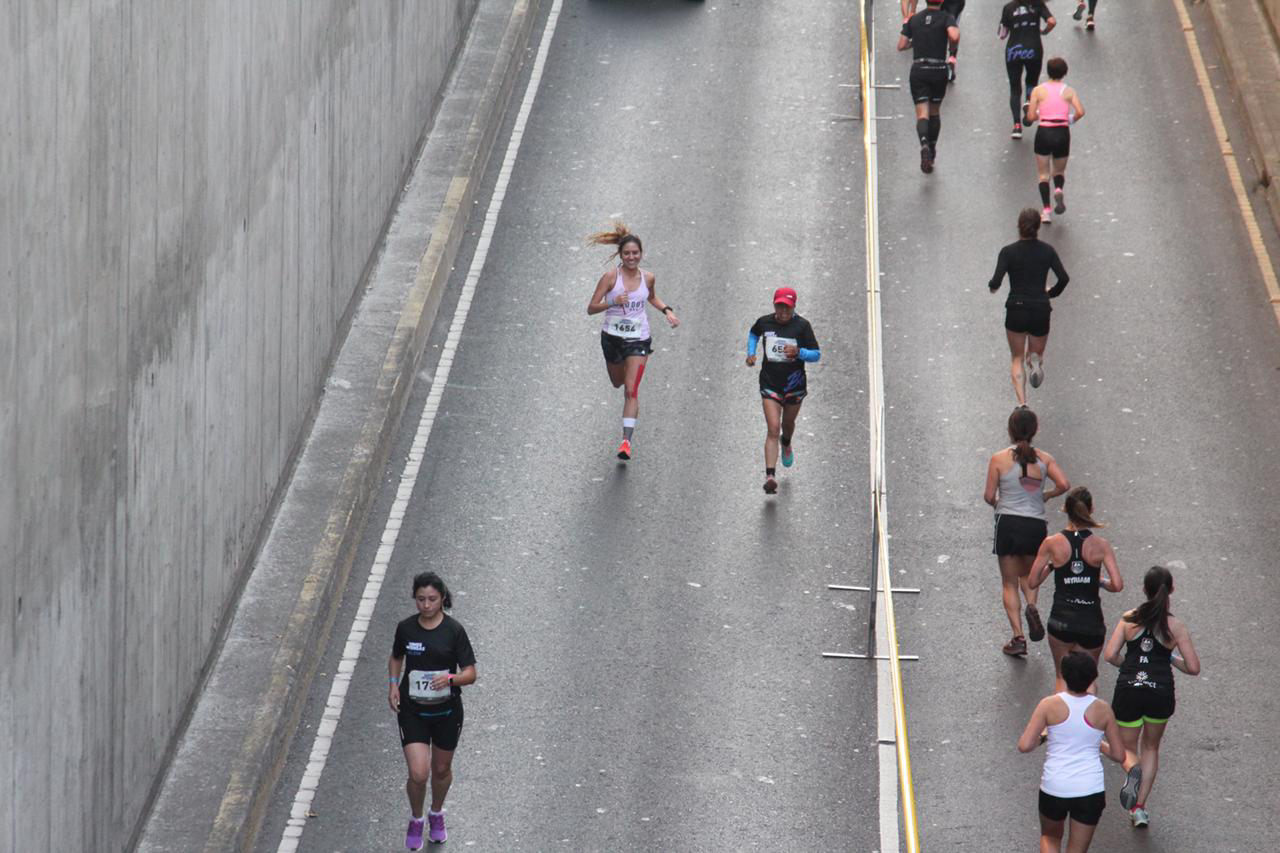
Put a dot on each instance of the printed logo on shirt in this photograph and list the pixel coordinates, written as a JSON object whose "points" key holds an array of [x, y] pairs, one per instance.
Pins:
{"points": [[1077, 566], [414, 648], [1147, 644]]}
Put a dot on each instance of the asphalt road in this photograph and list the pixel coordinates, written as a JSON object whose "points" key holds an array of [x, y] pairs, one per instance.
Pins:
{"points": [[649, 635]]}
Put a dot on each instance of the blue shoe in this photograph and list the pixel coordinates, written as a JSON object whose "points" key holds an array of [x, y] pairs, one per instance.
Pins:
{"points": [[788, 456]]}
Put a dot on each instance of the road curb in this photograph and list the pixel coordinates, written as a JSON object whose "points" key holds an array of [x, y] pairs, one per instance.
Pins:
{"points": [[340, 470], [1244, 37]]}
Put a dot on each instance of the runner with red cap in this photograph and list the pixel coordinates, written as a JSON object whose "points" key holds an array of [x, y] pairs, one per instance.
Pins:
{"points": [[788, 344]]}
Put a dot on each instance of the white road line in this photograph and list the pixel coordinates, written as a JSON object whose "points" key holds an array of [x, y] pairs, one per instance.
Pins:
{"points": [[310, 783]]}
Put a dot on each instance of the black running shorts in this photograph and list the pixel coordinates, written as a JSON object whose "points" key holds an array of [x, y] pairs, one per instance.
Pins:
{"points": [[1018, 536], [1136, 705], [1086, 809], [1053, 142], [1023, 316], [1084, 636], [928, 85], [618, 350], [438, 725]]}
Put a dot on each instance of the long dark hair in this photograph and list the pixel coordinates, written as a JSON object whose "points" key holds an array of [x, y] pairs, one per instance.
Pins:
{"points": [[1022, 428], [433, 580], [1079, 507], [1153, 614], [619, 235]]}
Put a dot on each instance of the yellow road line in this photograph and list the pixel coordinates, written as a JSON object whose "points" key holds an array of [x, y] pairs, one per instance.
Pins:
{"points": [[1260, 252], [875, 380]]}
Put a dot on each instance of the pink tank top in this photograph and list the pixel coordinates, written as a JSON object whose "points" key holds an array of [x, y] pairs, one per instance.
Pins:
{"points": [[1054, 109], [629, 321]]}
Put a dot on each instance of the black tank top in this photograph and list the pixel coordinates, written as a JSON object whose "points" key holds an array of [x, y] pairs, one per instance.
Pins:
{"points": [[1147, 664], [1075, 587]]}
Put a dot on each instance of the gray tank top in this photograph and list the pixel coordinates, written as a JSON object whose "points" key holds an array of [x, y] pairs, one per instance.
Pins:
{"points": [[1019, 495]]}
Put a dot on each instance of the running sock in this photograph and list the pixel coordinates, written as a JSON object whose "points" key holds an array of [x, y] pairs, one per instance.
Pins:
{"points": [[1044, 192], [922, 130], [935, 126], [628, 426], [770, 472], [1059, 181]]}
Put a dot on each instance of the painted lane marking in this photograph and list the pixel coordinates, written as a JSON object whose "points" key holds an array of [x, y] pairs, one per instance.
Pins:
{"points": [[310, 783], [1260, 252]]}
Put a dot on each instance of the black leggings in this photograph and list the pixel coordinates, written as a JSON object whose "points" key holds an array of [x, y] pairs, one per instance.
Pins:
{"points": [[1015, 69]]}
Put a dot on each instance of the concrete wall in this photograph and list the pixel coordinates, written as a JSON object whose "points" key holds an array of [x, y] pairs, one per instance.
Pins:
{"points": [[191, 192]]}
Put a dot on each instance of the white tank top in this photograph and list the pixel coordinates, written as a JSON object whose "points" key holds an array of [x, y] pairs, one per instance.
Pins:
{"points": [[1072, 764], [629, 321]]}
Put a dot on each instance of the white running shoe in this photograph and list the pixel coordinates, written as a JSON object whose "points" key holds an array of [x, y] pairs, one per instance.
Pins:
{"points": [[1037, 371], [1139, 817]]}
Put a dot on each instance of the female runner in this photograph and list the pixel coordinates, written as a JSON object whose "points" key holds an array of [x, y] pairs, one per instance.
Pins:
{"points": [[621, 294], [1026, 311], [1146, 644], [1080, 562], [434, 649], [1015, 487]]}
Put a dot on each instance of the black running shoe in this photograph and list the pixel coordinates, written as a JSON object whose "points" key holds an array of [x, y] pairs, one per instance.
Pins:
{"points": [[1079, 13], [770, 486], [926, 159]]}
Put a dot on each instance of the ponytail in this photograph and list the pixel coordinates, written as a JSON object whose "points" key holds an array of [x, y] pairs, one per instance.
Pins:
{"points": [[1022, 428], [1153, 614], [1079, 507], [619, 235]]}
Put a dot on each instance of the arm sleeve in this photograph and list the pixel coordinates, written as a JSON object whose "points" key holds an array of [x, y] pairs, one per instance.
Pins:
{"points": [[753, 340], [807, 354], [1002, 267], [1055, 263]]}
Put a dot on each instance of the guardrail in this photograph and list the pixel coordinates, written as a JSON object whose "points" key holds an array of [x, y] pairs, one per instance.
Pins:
{"points": [[880, 576]]}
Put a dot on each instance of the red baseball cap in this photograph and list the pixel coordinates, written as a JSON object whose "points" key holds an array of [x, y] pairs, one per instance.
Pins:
{"points": [[785, 295]]}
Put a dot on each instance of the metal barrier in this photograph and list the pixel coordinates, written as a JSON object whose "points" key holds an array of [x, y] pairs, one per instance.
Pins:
{"points": [[875, 384]]}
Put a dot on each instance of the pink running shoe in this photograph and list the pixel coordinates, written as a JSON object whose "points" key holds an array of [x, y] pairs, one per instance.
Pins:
{"points": [[437, 835], [413, 838]]}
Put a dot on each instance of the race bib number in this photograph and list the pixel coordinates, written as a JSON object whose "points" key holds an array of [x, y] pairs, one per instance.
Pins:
{"points": [[625, 327], [420, 688], [774, 348]]}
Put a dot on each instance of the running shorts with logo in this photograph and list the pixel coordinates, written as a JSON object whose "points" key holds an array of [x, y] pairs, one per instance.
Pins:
{"points": [[438, 725], [1086, 809], [928, 85], [618, 350]]}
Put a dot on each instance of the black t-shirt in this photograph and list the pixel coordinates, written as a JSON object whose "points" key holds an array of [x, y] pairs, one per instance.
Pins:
{"points": [[928, 33], [443, 648], [1022, 19], [1028, 263], [778, 374]]}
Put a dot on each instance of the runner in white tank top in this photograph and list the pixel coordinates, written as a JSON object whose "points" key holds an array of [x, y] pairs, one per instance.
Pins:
{"points": [[1073, 724], [621, 294], [1056, 106]]}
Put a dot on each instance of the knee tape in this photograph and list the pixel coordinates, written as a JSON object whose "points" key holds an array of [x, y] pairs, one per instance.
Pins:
{"points": [[633, 391]]}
